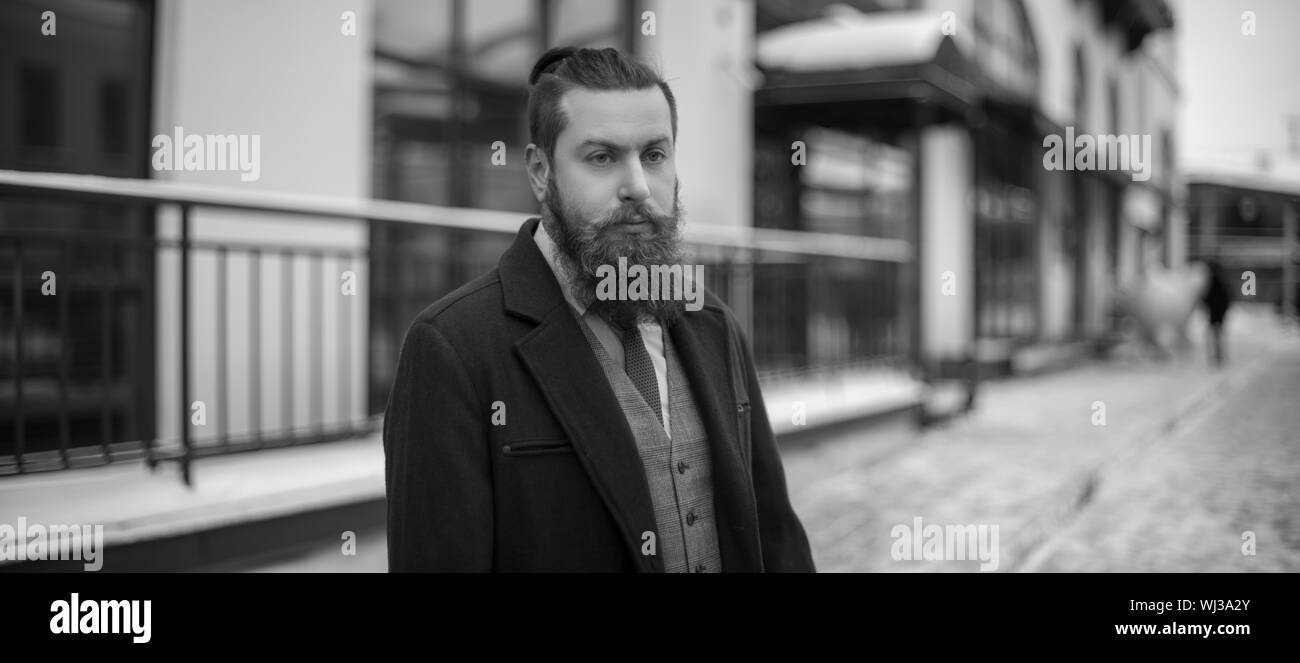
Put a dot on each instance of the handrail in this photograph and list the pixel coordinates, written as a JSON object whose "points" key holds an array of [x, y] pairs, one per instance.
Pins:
{"points": [[742, 249], [116, 189]]}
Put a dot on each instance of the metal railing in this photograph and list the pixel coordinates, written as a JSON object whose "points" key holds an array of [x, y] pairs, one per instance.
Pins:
{"points": [[811, 302]]}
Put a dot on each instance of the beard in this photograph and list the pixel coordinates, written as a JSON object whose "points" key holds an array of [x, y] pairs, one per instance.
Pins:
{"points": [[585, 244]]}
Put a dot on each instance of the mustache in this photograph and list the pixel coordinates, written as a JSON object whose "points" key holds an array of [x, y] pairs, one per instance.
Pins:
{"points": [[635, 213], [585, 245]]}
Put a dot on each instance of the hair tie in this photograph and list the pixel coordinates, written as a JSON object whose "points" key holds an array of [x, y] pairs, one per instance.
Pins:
{"points": [[549, 61]]}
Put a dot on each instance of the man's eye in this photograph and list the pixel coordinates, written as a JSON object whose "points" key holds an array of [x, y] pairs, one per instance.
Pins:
{"points": [[655, 156], [600, 159]]}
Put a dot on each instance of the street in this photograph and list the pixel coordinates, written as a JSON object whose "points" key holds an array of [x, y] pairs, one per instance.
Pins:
{"points": [[1185, 462], [1188, 460], [1185, 503]]}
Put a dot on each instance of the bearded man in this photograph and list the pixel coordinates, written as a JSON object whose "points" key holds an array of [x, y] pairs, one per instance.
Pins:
{"points": [[536, 426]]}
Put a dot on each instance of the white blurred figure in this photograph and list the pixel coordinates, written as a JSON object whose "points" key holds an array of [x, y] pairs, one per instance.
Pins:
{"points": [[1161, 303]]}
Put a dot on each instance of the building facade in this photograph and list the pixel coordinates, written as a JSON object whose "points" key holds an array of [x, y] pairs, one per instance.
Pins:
{"points": [[1011, 253], [912, 130], [401, 100], [1250, 227]]}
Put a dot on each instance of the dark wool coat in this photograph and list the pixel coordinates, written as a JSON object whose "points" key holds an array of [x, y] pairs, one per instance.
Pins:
{"points": [[559, 486]]}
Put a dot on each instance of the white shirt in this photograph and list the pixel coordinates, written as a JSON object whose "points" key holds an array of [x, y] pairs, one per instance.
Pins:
{"points": [[651, 332]]}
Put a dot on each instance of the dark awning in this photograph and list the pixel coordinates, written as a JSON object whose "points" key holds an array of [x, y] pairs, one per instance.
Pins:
{"points": [[897, 58], [1137, 18]]}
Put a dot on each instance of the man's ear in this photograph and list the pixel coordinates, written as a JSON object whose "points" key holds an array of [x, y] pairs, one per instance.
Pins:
{"points": [[539, 170]]}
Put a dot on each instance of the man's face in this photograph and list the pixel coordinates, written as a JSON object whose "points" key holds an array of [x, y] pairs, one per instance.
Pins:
{"points": [[611, 192]]}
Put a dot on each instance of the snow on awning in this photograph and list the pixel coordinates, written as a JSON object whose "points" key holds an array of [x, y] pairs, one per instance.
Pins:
{"points": [[848, 40]]}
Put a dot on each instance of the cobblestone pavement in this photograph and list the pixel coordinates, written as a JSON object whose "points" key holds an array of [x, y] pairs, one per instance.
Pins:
{"points": [[1187, 452], [1189, 502], [1188, 459]]}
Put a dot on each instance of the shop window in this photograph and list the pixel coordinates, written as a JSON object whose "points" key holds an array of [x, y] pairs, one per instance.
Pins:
{"points": [[451, 79], [77, 103], [39, 106]]}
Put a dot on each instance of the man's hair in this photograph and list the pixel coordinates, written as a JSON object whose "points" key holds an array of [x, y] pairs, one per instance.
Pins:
{"points": [[563, 68]]}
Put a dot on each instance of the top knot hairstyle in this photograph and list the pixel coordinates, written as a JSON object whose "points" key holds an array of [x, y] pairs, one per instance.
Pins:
{"points": [[564, 68]]}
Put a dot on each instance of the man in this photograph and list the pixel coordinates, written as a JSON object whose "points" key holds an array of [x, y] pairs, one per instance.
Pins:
{"points": [[1217, 298], [534, 425]]}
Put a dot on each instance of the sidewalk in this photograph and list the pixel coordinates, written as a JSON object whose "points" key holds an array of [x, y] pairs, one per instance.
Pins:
{"points": [[297, 500], [1025, 460], [152, 521]]}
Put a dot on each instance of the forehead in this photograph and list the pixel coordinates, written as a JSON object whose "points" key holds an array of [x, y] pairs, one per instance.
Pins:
{"points": [[624, 116]]}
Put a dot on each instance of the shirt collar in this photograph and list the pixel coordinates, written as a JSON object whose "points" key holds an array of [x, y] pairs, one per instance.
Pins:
{"points": [[551, 253]]}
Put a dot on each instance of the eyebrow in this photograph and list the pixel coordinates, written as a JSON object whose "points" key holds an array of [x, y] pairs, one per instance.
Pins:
{"points": [[609, 144]]}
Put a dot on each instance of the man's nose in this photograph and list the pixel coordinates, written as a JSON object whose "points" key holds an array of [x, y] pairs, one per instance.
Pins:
{"points": [[634, 188]]}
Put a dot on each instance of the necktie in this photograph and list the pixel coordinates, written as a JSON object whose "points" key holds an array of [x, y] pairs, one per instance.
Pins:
{"points": [[636, 363]]}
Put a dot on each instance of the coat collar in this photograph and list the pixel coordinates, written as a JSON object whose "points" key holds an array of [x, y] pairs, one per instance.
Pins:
{"points": [[578, 394]]}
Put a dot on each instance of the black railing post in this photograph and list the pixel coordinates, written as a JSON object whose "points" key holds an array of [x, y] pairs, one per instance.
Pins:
{"points": [[64, 342], [19, 424], [105, 368], [149, 358], [223, 386], [286, 343], [345, 348], [255, 344], [186, 442], [315, 346]]}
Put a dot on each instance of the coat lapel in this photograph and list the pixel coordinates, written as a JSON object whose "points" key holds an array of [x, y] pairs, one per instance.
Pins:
{"points": [[577, 392], [575, 388], [700, 338]]}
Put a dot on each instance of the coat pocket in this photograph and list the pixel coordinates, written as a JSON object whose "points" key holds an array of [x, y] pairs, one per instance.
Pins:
{"points": [[537, 447]]}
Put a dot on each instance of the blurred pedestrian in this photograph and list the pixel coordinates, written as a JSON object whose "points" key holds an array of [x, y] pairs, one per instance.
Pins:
{"points": [[1217, 298]]}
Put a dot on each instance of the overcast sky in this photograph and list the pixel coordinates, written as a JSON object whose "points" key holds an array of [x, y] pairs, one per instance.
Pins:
{"points": [[1237, 88]]}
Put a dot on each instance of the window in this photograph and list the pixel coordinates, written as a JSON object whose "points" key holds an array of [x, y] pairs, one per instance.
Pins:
{"points": [[1006, 217], [589, 23], [1005, 48], [114, 119], [856, 186], [39, 110], [451, 79], [77, 103]]}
